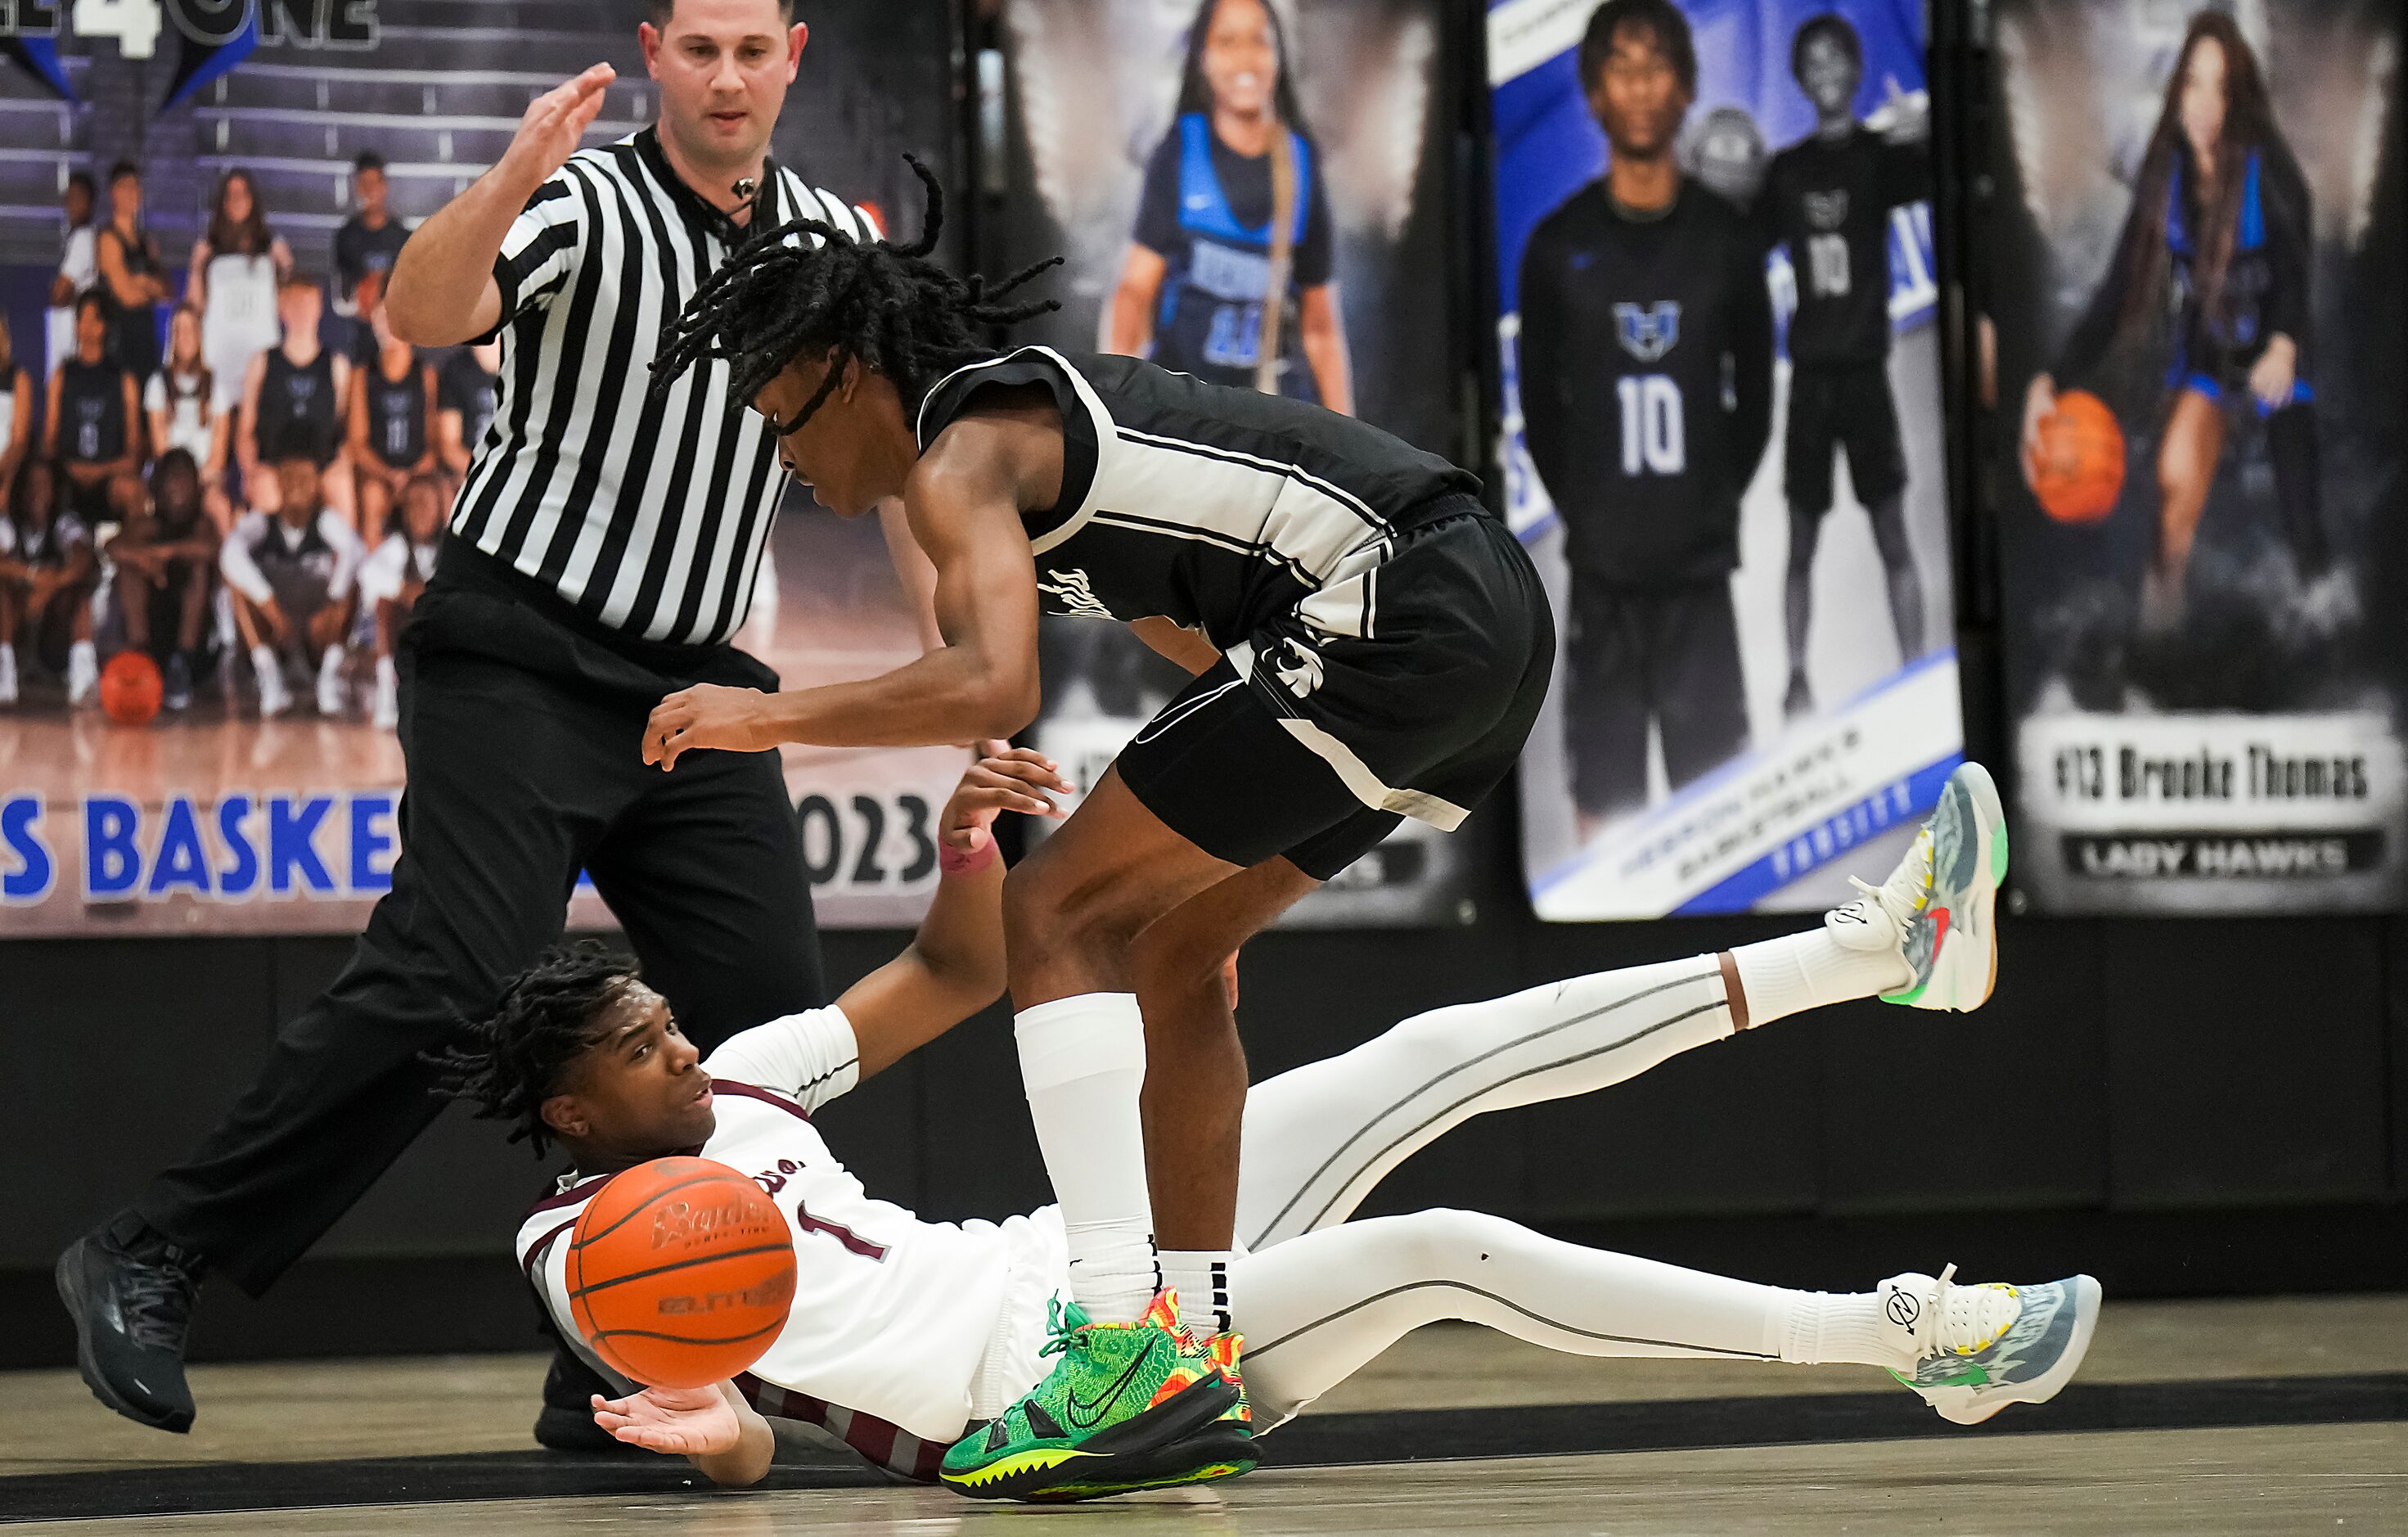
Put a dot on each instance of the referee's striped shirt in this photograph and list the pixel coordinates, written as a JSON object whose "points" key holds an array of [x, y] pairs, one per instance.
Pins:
{"points": [[651, 517]]}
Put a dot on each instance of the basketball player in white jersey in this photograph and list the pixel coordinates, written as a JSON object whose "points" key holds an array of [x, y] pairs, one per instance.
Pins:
{"points": [[905, 1333]]}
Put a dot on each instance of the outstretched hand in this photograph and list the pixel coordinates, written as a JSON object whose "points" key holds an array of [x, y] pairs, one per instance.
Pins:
{"points": [[680, 1421], [555, 124], [1005, 779], [706, 715]]}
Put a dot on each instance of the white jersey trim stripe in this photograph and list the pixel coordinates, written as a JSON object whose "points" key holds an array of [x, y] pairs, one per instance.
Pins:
{"points": [[1366, 786]]}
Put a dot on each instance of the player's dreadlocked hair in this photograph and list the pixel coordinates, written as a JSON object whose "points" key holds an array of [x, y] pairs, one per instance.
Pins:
{"points": [[548, 1016], [902, 315]]}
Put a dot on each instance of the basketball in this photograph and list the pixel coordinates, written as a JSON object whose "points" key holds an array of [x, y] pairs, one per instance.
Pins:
{"points": [[679, 1273], [2076, 469], [129, 688]]}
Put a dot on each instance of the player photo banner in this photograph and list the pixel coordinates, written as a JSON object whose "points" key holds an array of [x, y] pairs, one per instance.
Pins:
{"points": [[1723, 444], [1250, 192], [221, 816], [2197, 454]]}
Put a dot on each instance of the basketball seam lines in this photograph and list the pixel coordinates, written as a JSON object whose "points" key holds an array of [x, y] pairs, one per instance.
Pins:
{"points": [[722, 1172], [682, 1264]]}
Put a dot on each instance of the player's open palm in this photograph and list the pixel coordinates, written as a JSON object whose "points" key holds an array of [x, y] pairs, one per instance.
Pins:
{"points": [[556, 123], [1006, 780], [680, 1421]]}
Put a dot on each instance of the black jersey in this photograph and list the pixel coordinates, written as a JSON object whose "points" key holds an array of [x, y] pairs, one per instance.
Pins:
{"points": [[92, 411], [1646, 382], [397, 415], [298, 404], [2265, 288], [465, 387], [1829, 200], [1215, 507]]}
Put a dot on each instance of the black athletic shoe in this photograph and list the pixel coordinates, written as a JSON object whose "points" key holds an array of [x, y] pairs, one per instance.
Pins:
{"points": [[566, 1423], [130, 1292]]}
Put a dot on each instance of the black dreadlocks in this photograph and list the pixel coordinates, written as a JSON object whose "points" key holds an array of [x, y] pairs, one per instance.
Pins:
{"points": [[902, 315], [548, 1016]]}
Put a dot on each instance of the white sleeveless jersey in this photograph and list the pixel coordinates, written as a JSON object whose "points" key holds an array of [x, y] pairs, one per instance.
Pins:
{"points": [[892, 1315], [241, 311]]}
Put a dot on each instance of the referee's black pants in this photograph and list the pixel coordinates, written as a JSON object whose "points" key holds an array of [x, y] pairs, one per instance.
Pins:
{"points": [[522, 730]]}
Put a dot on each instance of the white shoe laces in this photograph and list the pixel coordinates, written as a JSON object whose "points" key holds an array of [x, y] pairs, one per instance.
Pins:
{"points": [[1966, 1320], [1908, 890]]}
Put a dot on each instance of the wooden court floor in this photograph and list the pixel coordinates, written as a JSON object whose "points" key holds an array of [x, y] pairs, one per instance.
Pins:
{"points": [[2200, 1418]]}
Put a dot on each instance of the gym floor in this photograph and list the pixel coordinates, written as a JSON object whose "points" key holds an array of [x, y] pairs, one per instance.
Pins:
{"points": [[2194, 1417]]}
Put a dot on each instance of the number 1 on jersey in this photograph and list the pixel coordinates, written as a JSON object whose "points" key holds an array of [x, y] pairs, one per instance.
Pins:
{"points": [[1652, 425]]}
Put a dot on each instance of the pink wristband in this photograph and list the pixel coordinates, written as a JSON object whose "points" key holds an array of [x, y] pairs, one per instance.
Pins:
{"points": [[951, 863]]}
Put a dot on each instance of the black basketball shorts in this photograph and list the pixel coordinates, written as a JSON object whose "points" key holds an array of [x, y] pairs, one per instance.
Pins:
{"points": [[1315, 744], [1835, 408]]}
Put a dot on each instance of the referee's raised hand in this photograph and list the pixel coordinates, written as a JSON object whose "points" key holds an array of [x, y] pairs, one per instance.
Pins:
{"points": [[442, 290], [554, 126]]}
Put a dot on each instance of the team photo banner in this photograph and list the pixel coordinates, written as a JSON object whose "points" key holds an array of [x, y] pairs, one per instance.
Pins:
{"points": [[2196, 448], [1311, 260], [1723, 444], [189, 798]]}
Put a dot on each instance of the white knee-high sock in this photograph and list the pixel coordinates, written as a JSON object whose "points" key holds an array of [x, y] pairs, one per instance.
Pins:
{"points": [[1318, 1138], [1817, 969], [1317, 1308], [1083, 1065]]}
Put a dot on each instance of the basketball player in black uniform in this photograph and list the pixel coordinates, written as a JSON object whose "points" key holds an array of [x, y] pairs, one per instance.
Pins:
{"points": [[1827, 197], [47, 571], [92, 424], [166, 560], [1646, 370], [465, 392], [1368, 641], [391, 421], [294, 396]]}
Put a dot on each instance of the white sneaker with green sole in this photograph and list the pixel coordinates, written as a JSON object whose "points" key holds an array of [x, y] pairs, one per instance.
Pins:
{"points": [[1980, 1348]]}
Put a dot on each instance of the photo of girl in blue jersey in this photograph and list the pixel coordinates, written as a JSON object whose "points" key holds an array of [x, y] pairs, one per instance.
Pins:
{"points": [[1230, 272], [2220, 216]]}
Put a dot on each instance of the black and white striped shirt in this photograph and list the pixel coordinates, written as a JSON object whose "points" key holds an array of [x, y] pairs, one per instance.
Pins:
{"points": [[650, 517]]}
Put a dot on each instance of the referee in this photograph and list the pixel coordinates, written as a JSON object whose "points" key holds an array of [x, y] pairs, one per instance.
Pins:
{"points": [[602, 550]]}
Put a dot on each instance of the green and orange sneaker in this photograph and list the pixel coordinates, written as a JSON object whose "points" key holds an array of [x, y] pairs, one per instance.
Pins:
{"points": [[1128, 1406]]}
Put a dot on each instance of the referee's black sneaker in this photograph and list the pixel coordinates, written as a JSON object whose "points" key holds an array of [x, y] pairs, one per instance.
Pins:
{"points": [[130, 1292]]}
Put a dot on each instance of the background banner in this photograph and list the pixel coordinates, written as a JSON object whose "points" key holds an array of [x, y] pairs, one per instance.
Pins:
{"points": [[1119, 157], [2196, 238], [213, 819], [1757, 677]]}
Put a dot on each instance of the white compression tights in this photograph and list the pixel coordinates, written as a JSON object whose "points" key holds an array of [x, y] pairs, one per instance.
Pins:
{"points": [[1319, 1297]]}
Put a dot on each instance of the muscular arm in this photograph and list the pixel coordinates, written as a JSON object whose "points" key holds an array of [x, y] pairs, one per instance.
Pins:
{"points": [[1750, 355], [964, 499], [246, 437], [1542, 362], [1175, 643], [442, 289], [1323, 329], [355, 418], [123, 286], [1131, 328], [50, 415]]}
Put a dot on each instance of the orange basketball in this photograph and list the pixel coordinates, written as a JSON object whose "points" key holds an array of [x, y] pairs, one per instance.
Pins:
{"points": [[2076, 469], [129, 688], [679, 1273]]}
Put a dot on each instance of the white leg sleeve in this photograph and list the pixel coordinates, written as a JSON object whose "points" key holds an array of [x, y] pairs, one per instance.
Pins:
{"points": [[1315, 1309], [1318, 1138]]}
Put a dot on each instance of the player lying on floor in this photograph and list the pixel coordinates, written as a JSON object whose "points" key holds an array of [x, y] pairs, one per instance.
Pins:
{"points": [[905, 1333]]}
